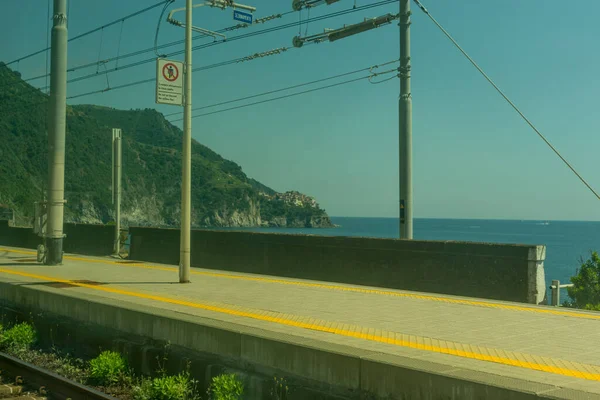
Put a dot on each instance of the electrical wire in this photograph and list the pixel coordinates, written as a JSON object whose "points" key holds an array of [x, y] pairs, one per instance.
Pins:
{"points": [[422, 7], [268, 30], [284, 96], [119, 45], [210, 44], [370, 76], [277, 98], [100, 51], [293, 87], [140, 82], [167, 4], [47, 41], [238, 37], [91, 31], [129, 84]]}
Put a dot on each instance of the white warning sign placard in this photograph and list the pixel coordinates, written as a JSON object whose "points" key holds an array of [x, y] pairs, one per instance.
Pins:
{"points": [[169, 82]]}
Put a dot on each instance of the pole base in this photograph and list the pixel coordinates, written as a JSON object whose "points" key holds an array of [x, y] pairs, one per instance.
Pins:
{"points": [[54, 251]]}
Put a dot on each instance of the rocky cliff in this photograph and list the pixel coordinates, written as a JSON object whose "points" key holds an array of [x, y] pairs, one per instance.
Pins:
{"points": [[222, 194]]}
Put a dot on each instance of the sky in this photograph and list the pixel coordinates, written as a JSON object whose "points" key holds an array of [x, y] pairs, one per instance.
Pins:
{"points": [[473, 156]]}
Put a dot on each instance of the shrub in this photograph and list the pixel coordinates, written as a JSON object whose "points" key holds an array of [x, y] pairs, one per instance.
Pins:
{"points": [[20, 337], [174, 387], [108, 368], [586, 290], [226, 387], [167, 387]]}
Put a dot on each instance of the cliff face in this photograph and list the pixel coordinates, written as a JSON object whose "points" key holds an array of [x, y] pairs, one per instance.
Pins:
{"points": [[222, 194]]}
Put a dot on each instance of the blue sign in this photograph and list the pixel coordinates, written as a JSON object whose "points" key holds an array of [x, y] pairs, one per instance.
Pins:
{"points": [[242, 16]]}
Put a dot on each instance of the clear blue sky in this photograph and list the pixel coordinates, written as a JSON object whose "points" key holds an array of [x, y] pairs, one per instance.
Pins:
{"points": [[473, 156]]}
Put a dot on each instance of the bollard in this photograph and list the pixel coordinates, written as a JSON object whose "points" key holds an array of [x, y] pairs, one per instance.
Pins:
{"points": [[555, 292]]}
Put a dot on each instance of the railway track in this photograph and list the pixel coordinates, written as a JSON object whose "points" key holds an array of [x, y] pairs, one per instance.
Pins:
{"points": [[22, 381]]}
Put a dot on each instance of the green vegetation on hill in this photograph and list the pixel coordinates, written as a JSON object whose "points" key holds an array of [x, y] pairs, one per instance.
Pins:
{"points": [[222, 194]]}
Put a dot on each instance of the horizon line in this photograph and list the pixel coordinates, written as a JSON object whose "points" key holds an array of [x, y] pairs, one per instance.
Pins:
{"points": [[475, 219]]}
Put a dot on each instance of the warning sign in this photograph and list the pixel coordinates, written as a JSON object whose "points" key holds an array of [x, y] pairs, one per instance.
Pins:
{"points": [[169, 82]]}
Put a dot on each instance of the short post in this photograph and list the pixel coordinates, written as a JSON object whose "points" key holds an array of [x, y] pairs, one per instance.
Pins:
{"points": [[117, 188], [555, 292]]}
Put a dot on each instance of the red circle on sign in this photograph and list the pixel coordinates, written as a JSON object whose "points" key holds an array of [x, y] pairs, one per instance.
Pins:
{"points": [[170, 72]]}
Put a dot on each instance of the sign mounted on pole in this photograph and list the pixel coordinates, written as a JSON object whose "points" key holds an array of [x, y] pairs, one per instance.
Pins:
{"points": [[169, 82], [242, 16]]}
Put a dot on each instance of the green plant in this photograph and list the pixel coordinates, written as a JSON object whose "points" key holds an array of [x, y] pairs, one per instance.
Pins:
{"points": [[226, 387], [173, 387], [19, 337], [143, 390], [168, 387], [108, 368], [586, 290], [162, 360], [280, 389]]}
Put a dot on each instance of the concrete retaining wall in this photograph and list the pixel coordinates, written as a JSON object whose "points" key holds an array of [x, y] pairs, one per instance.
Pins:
{"points": [[94, 240], [329, 371], [18, 237], [492, 271]]}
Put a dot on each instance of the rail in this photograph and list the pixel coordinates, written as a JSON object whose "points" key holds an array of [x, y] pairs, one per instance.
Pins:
{"points": [[56, 386], [556, 286]]}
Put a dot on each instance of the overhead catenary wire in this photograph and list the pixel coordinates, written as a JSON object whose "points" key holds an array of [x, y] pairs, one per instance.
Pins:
{"points": [[238, 37], [284, 26], [100, 50], [370, 76], [119, 44], [140, 82], [170, 44], [282, 97], [47, 41], [91, 31], [210, 44], [167, 4], [292, 87], [457, 45], [277, 98], [130, 84]]}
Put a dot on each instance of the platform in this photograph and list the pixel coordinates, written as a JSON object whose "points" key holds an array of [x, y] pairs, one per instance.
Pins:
{"points": [[539, 350]]}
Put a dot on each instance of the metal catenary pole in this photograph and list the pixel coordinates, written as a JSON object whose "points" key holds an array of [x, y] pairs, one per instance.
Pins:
{"points": [[405, 125], [56, 134], [186, 184]]}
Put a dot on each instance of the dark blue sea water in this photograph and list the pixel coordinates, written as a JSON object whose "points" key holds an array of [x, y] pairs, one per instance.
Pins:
{"points": [[566, 241]]}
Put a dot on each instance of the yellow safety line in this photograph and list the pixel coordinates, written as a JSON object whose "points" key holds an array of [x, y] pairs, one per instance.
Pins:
{"points": [[527, 361], [382, 292]]}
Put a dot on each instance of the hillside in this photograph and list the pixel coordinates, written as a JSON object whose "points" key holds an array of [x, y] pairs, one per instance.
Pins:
{"points": [[222, 194]]}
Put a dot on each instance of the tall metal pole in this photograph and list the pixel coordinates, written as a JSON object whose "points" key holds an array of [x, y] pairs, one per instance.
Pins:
{"points": [[405, 125], [117, 156], [186, 184], [56, 134]]}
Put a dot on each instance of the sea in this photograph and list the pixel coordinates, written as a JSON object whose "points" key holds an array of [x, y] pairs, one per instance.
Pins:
{"points": [[567, 242]]}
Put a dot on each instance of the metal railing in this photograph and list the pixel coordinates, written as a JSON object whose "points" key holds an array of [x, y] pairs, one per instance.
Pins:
{"points": [[556, 286]]}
